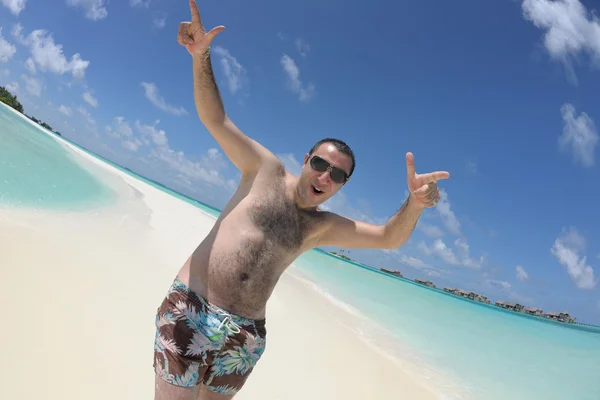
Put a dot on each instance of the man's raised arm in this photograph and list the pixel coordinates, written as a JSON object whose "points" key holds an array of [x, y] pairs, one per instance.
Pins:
{"points": [[424, 193], [245, 153]]}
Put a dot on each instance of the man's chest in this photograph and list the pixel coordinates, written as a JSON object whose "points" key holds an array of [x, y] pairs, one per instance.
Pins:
{"points": [[281, 223]]}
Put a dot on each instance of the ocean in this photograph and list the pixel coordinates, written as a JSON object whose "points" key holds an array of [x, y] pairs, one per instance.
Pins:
{"points": [[36, 171], [465, 350]]}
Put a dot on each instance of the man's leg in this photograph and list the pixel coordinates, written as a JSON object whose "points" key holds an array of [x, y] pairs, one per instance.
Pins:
{"points": [[230, 369], [207, 394], [163, 390], [181, 347]]}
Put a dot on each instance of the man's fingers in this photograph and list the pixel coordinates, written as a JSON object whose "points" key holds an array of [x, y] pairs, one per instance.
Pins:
{"points": [[195, 12], [435, 176], [422, 191], [183, 36], [410, 165], [428, 194], [215, 31], [431, 196]]}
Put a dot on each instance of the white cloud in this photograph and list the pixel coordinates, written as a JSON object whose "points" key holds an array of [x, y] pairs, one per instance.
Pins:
{"points": [[86, 114], [305, 92], [32, 85], [91, 100], [160, 21], [414, 262], [472, 168], [569, 30], [431, 231], [567, 249], [153, 134], [15, 6], [448, 218], [439, 249], [131, 145], [500, 284], [65, 110], [17, 32], [233, 70], [421, 265], [303, 47], [119, 128], [461, 257], [522, 275], [290, 163], [13, 87], [48, 56], [30, 66], [152, 94], [464, 254], [180, 167], [94, 9], [139, 3], [506, 287], [7, 50], [579, 135]]}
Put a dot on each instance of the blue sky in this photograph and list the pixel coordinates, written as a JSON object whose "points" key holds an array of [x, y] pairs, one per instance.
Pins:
{"points": [[500, 94]]}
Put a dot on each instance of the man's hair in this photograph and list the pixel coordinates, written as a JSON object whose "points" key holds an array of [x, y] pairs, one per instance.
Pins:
{"points": [[342, 148]]}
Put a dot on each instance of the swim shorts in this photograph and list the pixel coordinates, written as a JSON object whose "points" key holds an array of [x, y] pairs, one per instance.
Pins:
{"points": [[198, 342]]}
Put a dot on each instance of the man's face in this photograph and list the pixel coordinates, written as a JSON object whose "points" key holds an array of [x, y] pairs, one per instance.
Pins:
{"points": [[316, 187]]}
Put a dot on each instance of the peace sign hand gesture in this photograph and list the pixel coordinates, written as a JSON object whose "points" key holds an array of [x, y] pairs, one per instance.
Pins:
{"points": [[423, 187], [193, 36]]}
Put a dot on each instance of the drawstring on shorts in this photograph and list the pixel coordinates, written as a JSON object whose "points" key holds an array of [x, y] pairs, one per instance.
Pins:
{"points": [[228, 321]]}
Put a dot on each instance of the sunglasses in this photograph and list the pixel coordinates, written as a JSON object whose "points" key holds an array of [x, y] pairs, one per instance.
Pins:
{"points": [[320, 165]]}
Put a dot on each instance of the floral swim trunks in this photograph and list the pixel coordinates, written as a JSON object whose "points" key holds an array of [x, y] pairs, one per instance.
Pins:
{"points": [[198, 342]]}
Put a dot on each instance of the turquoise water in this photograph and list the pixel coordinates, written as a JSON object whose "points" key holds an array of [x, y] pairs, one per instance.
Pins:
{"points": [[482, 350], [37, 171], [465, 349]]}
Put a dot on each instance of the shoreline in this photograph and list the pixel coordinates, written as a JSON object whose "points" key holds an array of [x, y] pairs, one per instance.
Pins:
{"points": [[384, 342], [97, 293]]}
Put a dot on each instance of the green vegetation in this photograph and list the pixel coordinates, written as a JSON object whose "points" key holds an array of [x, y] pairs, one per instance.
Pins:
{"points": [[11, 100], [341, 256], [42, 123]]}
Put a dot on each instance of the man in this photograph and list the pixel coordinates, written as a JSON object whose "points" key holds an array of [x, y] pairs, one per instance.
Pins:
{"points": [[211, 324]]}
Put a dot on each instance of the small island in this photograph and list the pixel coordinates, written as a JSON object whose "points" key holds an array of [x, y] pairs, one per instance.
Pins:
{"points": [[473, 296], [341, 256], [515, 307], [11, 100], [392, 272]]}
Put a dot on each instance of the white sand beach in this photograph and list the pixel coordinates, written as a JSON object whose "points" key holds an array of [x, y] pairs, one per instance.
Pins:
{"points": [[80, 290]]}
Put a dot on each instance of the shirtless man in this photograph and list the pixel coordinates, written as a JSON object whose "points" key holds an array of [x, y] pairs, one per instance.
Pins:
{"points": [[211, 325]]}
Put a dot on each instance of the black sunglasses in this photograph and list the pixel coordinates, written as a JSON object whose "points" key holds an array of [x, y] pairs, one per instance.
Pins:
{"points": [[320, 165]]}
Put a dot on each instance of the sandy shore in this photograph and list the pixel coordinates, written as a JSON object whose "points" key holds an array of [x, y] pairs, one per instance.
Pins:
{"points": [[80, 290]]}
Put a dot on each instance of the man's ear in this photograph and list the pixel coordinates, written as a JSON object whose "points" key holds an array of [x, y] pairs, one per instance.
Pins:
{"points": [[306, 156]]}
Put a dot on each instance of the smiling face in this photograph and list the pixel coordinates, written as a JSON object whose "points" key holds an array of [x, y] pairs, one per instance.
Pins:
{"points": [[314, 187]]}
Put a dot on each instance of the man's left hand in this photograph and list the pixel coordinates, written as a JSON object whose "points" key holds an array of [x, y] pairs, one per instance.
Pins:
{"points": [[423, 187]]}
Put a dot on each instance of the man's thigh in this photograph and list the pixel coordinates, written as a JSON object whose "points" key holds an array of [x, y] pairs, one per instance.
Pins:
{"points": [[164, 390], [207, 394]]}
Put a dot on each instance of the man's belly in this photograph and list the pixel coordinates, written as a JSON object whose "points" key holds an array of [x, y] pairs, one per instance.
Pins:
{"points": [[239, 279]]}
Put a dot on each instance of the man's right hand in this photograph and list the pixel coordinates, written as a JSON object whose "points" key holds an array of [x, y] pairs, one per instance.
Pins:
{"points": [[193, 36]]}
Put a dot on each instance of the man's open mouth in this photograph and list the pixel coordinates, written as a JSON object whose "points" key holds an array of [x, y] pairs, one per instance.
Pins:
{"points": [[316, 191]]}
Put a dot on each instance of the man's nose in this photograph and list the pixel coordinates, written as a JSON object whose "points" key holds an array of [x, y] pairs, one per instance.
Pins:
{"points": [[325, 177]]}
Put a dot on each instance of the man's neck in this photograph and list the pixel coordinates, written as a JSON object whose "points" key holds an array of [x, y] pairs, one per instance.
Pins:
{"points": [[292, 193]]}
